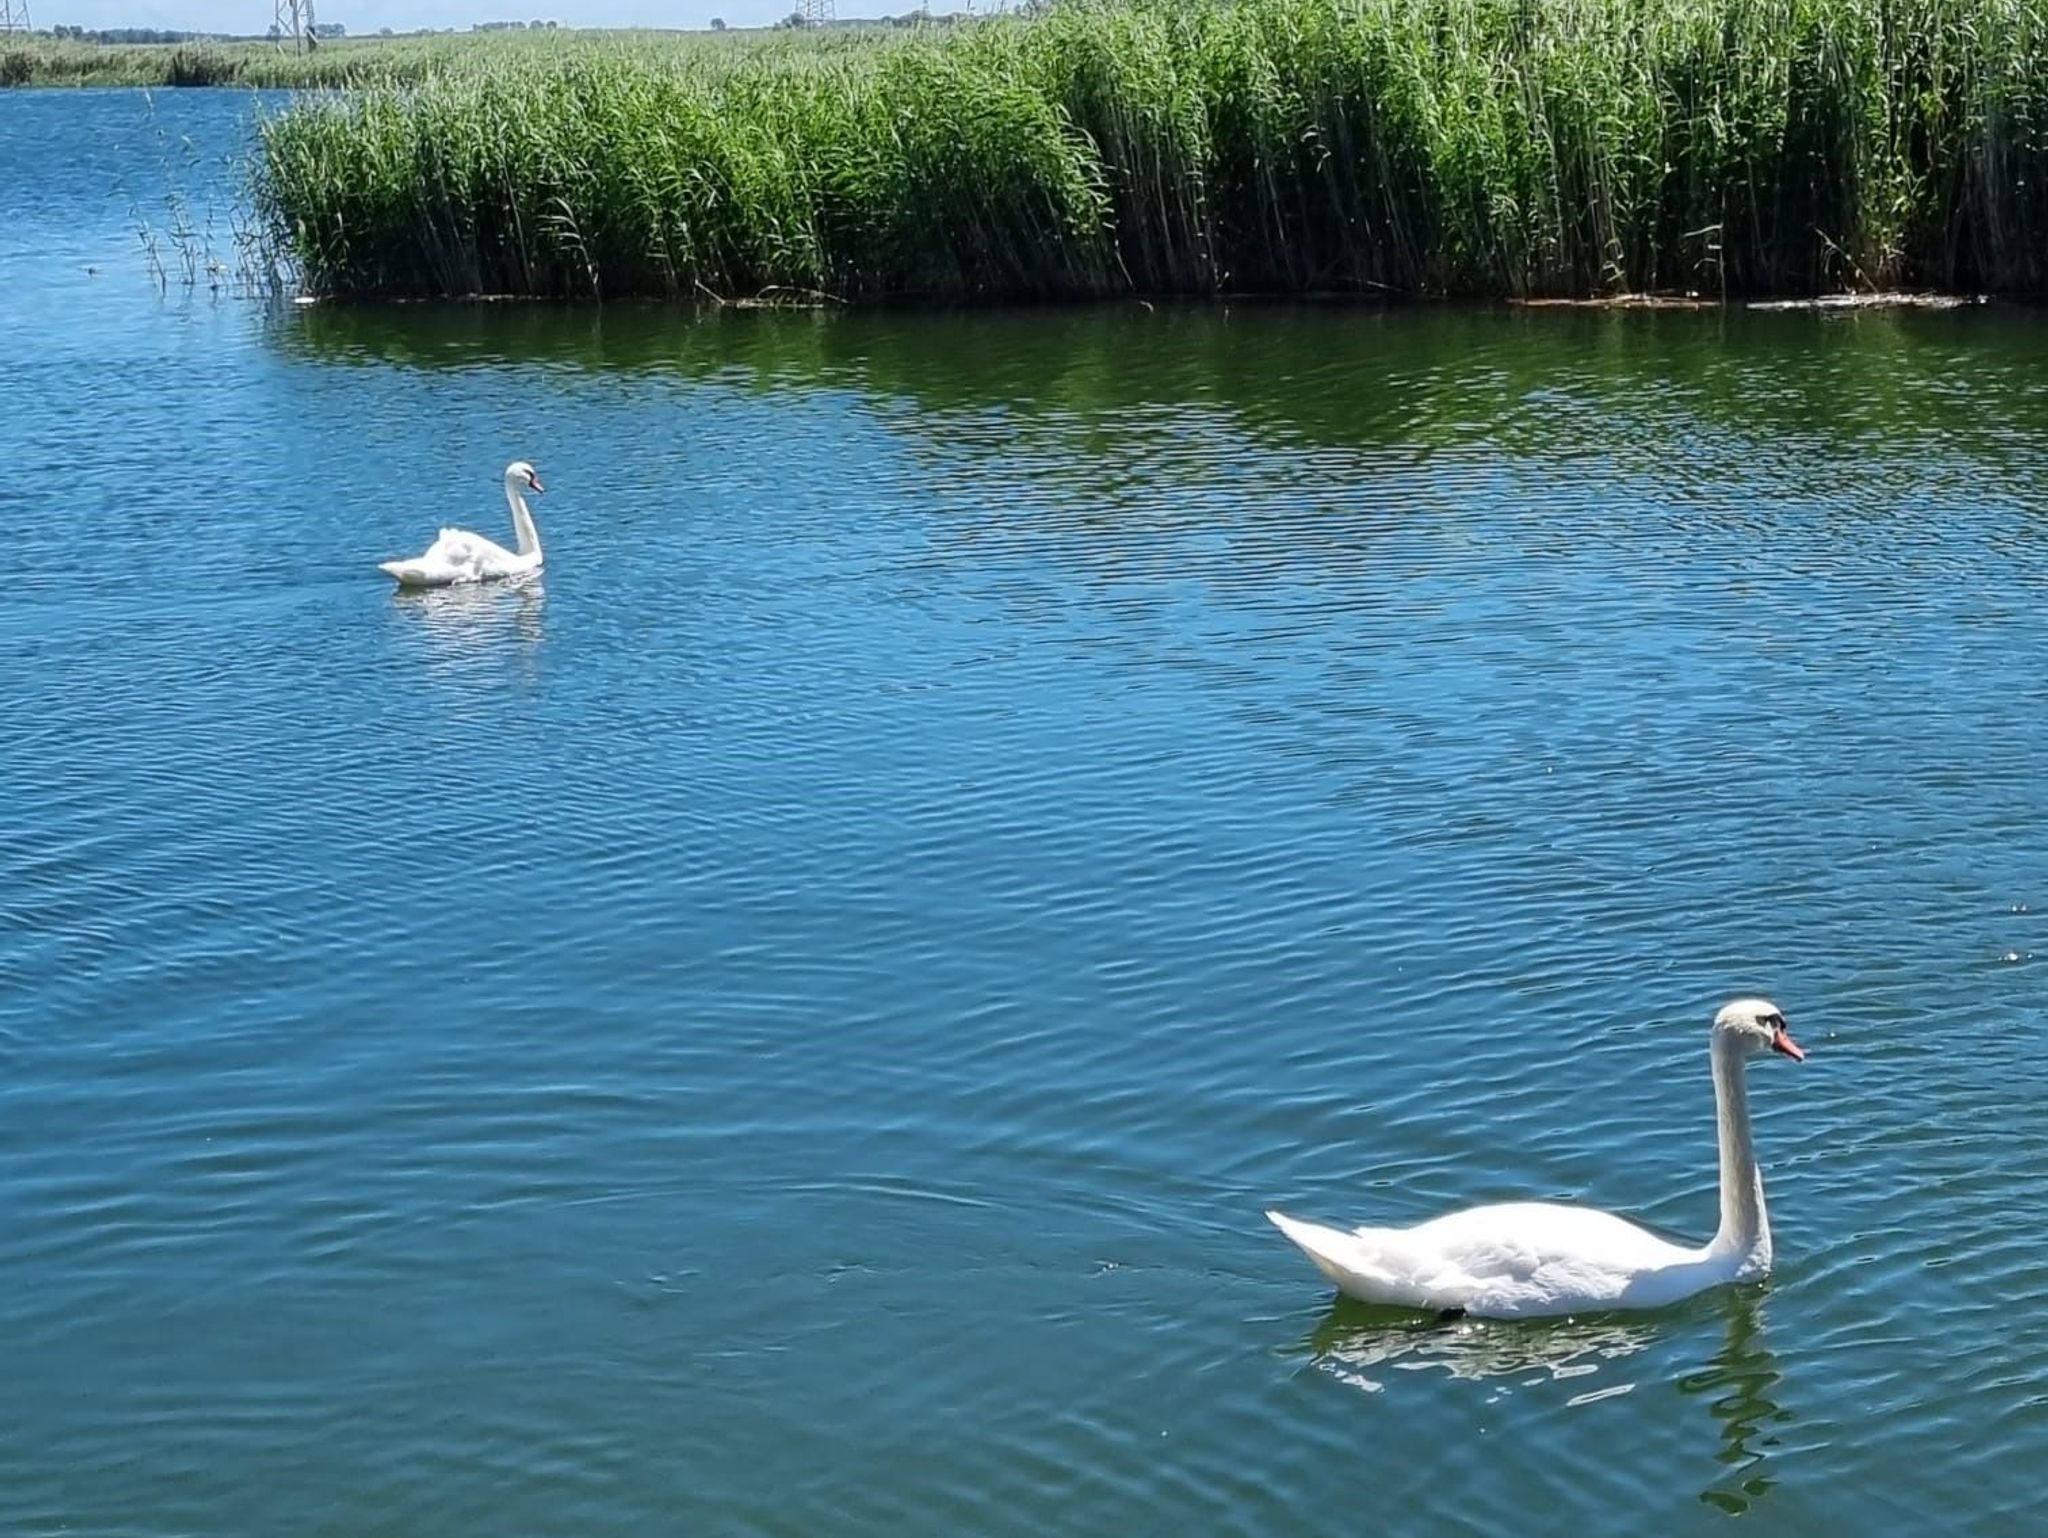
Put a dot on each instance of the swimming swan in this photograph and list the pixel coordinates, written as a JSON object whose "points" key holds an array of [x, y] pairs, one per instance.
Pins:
{"points": [[460, 556], [1528, 1259]]}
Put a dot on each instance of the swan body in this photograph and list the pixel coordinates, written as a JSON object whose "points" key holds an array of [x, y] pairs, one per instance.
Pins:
{"points": [[1519, 1260], [459, 556]]}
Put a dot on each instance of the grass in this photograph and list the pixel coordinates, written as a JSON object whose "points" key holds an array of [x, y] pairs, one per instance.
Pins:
{"points": [[337, 64], [1482, 147]]}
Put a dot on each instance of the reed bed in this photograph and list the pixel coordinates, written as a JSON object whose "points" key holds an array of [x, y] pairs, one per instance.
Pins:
{"points": [[1463, 147], [43, 61], [336, 64]]}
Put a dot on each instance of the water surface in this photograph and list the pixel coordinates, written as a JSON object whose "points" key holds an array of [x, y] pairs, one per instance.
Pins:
{"points": [[786, 1025]]}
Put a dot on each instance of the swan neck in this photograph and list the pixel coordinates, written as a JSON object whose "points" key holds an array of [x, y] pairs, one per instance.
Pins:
{"points": [[1745, 1233], [522, 521]]}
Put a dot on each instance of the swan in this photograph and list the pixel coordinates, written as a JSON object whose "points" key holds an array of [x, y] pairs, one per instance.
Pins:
{"points": [[1521, 1260], [460, 556]]}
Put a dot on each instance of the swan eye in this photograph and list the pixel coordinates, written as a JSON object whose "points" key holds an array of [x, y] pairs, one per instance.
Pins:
{"points": [[1774, 1021]]}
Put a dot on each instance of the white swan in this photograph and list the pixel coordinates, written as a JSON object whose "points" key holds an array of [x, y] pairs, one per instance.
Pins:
{"points": [[1528, 1259], [460, 556]]}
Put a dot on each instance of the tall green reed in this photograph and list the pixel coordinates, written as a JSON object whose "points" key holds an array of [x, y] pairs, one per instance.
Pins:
{"points": [[1486, 147]]}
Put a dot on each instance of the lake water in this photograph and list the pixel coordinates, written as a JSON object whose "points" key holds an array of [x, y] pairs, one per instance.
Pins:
{"points": [[787, 1025]]}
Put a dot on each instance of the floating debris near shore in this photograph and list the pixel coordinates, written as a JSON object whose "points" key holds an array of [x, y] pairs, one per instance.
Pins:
{"points": [[1887, 300], [1878, 301]]}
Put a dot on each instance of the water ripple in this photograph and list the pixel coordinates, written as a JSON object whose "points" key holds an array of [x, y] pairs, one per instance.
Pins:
{"points": [[792, 1019]]}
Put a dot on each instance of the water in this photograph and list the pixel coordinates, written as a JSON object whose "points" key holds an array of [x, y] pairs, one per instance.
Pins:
{"points": [[787, 1026]]}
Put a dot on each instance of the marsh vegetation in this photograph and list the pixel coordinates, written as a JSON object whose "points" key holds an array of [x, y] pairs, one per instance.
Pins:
{"points": [[1397, 147]]}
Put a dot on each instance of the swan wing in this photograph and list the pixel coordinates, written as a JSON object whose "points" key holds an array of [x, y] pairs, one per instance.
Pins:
{"points": [[1513, 1260], [456, 556], [1541, 1233], [460, 550]]}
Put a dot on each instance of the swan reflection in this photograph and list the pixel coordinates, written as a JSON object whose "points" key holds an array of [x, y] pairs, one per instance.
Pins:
{"points": [[477, 618], [1359, 1345], [1739, 1381]]}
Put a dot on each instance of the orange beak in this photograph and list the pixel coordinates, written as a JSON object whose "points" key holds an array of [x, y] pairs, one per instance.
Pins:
{"points": [[1781, 1041], [534, 482]]}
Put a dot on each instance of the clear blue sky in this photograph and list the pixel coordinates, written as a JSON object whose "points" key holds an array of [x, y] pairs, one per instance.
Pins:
{"points": [[402, 15]]}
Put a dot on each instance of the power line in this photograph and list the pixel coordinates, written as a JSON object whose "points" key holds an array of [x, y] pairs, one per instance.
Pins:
{"points": [[14, 16]]}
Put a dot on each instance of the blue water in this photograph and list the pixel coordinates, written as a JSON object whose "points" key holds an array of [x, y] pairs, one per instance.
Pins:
{"points": [[786, 1025]]}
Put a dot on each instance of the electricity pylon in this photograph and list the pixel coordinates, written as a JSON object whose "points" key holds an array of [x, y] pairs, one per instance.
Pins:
{"points": [[292, 26]]}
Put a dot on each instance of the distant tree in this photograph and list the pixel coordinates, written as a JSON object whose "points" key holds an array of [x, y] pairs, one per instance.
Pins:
{"points": [[718, 24], [141, 35]]}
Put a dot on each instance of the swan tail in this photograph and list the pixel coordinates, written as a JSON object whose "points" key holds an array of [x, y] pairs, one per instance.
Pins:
{"points": [[1359, 1269], [412, 573]]}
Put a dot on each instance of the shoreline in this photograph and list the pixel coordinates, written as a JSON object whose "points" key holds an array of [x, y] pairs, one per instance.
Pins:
{"points": [[1895, 299]]}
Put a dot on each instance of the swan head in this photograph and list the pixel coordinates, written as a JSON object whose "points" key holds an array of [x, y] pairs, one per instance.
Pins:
{"points": [[519, 475], [1755, 1025]]}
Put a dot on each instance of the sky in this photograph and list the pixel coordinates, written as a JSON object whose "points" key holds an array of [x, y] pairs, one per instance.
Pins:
{"points": [[253, 16]]}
